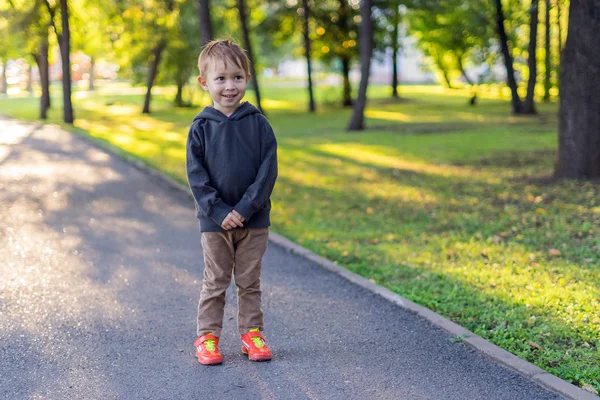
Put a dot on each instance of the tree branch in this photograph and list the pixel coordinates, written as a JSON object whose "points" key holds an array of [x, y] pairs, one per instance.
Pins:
{"points": [[52, 12]]}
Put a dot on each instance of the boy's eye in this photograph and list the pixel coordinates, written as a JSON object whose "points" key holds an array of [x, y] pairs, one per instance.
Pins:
{"points": [[220, 78], [239, 77]]}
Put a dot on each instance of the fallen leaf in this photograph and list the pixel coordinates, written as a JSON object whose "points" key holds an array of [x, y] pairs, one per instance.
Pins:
{"points": [[535, 345], [495, 239], [589, 388], [554, 252]]}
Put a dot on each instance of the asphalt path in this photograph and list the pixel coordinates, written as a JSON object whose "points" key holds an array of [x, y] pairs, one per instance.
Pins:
{"points": [[100, 273]]}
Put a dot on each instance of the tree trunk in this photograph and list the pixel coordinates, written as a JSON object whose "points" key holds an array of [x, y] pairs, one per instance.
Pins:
{"points": [[461, 68], [157, 52], [311, 98], [246, 34], [559, 29], [579, 115], [548, 63], [64, 41], [41, 59], [346, 76], [529, 105], [559, 26], [179, 95], [92, 73], [29, 87], [508, 61], [395, 48], [4, 85], [440, 64], [345, 58], [206, 31], [366, 49]]}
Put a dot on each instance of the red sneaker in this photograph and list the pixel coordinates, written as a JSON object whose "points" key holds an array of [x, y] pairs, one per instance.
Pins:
{"points": [[207, 350], [253, 344]]}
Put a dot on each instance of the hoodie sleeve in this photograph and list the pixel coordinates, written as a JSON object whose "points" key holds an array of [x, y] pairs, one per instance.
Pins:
{"points": [[208, 201], [260, 191]]}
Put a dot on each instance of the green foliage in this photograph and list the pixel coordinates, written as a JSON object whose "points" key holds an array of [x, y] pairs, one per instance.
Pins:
{"points": [[333, 29], [454, 33], [137, 29], [26, 22], [90, 22], [183, 48]]}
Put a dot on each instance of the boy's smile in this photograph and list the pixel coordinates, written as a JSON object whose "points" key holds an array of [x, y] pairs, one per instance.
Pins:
{"points": [[226, 83]]}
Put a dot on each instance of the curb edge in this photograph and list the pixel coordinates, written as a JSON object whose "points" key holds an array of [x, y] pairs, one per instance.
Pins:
{"points": [[489, 349]]}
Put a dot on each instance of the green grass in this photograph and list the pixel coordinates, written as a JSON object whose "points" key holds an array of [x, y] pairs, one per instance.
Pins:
{"points": [[446, 204]]}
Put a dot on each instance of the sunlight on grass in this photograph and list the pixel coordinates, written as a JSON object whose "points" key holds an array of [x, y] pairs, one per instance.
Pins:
{"points": [[397, 116], [364, 154], [123, 109], [279, 105]]}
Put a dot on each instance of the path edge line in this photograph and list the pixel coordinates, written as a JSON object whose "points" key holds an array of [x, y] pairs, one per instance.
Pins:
{"points": [[492, 351]]}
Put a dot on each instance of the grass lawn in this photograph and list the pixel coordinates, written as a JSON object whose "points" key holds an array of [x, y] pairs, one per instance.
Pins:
{"points": [[445, 204]]}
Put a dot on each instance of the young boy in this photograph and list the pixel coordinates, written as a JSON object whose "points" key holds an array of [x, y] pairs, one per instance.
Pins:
{"points": [[231, 169]]}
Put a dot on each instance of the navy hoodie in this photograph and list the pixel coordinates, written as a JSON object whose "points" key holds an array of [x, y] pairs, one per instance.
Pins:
{"points": [[231, 164]]}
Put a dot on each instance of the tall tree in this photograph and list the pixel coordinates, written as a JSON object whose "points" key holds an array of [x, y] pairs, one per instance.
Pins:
{"points": [[453, 33], [559, 27], [366, 50], [248, 45], [395, 48], [343, 26], [579, 115], [154, 63], [64, 44], [30, 23], [90, 22], [4, 82], [181, 56], [560, 40], [166, 12], [41, 59], [206, 31], [548, 54], [508, 61], [307, 52], [529, 104]]}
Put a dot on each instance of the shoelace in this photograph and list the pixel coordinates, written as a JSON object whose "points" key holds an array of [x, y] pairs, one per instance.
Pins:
{"points": [[210, 344], [258, 341]]}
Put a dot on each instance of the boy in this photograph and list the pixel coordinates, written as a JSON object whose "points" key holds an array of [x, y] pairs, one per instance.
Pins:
{"points": [[231, 165]]}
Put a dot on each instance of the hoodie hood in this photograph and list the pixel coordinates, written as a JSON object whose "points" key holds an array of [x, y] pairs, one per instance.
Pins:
{"points": [[242, 111]]}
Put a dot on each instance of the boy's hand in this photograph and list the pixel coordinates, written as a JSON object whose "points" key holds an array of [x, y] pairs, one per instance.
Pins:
{"points": [[240, 216], [231, 221]]}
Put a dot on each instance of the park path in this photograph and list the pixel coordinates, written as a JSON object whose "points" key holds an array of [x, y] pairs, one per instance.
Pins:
{"points": [[100, 272]]}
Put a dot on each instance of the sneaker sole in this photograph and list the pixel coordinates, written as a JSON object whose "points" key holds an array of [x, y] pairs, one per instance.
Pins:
{"points": [[209, 361], [255, 358]]}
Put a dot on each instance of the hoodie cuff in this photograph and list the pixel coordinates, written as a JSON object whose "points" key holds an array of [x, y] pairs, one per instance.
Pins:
{"points": [[245, 209], [219, 212]]}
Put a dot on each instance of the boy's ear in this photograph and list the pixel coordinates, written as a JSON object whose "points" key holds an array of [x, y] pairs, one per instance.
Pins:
{"points": [[202, 82], [248, 77]]}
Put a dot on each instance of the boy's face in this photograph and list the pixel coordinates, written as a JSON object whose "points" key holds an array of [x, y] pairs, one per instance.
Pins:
{"points": [[226, 83]]}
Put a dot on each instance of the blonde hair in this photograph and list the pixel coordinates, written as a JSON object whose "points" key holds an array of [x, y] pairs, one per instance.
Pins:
{"points": [[223, 50]]}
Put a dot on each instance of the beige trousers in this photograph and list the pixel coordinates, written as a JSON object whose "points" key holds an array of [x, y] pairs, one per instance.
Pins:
{"points": [[237, 252]]}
